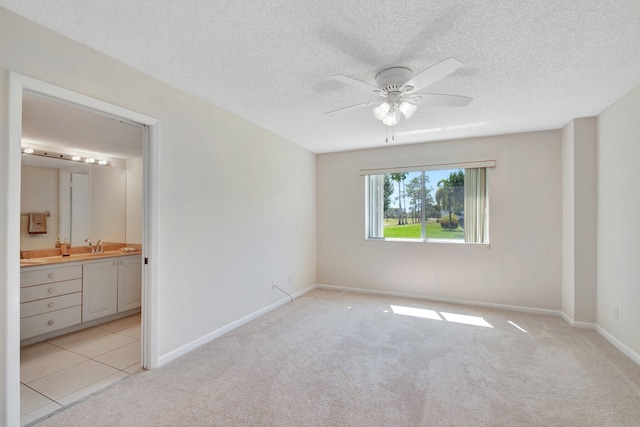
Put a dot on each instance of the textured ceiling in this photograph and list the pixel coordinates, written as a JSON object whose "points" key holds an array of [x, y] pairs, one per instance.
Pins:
{"points": [[528, 65]]}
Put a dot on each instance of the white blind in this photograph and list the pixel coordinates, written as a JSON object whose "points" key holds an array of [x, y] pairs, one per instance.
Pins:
{"points": [[463, 165]]}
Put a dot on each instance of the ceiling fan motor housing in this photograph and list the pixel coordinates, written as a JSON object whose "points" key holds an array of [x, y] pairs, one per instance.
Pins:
{"points": [[392, 79]]}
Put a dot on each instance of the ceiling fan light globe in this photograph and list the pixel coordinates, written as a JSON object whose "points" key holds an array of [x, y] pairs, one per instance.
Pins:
{"points": [[380, 112], [408, 109], [392, 118]]}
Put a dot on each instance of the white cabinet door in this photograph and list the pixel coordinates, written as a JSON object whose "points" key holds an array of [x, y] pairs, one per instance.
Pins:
{"points": [[129, 283], [99, 290]]}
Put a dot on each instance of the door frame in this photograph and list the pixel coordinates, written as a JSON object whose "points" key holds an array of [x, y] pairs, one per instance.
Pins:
{"points": [[19, 83]]}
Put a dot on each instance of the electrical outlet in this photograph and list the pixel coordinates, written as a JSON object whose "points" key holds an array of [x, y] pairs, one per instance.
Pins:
{"points": [[436, 278], [289, 278], [616, 313]]}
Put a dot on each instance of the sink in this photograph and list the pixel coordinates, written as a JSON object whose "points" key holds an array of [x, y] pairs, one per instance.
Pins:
{"points": [[102, 255]]}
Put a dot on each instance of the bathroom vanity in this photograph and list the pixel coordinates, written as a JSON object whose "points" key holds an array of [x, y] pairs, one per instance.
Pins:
{"points": [[59, 295]]}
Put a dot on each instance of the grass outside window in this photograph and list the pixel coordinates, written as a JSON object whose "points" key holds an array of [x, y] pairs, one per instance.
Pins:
{"points": [[412, 231]]}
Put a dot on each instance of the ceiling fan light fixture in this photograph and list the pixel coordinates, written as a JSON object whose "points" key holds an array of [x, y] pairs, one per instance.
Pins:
{"points": [[400, 89], [380, 112], [407, 109], [392, 118]]}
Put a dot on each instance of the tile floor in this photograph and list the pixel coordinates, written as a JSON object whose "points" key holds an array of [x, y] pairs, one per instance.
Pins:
{"points": [[62, 370]]}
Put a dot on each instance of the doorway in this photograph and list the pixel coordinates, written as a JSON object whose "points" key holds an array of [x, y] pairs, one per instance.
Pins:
{"points": [[19, 85]]}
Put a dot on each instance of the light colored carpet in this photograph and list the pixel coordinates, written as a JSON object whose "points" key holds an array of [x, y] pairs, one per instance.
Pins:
{"points": [[344, 359]]}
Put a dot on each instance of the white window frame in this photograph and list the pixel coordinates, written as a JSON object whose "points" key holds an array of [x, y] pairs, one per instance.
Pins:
{"points": [[374, 194]]}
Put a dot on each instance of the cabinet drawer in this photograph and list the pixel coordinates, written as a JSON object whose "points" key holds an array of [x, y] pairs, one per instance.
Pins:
{"points": [[50, 275], [47, 305], [48, 322], [33, 293]]}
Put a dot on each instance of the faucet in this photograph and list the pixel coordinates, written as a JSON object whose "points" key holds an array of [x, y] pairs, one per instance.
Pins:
{"points": [[89, 244], [99, 247]]}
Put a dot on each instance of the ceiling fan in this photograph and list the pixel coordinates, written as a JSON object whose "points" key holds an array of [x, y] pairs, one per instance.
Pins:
{"points": [[399, 89]]}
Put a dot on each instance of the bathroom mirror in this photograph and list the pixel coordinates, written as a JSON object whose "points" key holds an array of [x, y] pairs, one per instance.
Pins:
{"points": [[83, 202]]}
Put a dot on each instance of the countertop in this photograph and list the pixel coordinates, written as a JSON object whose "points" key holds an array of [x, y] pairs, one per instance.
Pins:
{"points": [[58, 259]]}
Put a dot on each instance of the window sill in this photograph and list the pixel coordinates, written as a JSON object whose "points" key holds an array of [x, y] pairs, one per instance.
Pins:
{"points": [[451, 241]]}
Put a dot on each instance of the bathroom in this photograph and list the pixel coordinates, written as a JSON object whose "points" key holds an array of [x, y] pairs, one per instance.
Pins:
{"points": [[82, 180]]}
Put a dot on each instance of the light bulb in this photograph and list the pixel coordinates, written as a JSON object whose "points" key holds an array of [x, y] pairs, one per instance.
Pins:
{"points": [[102, 162], [392, 118], [76, 158], [28, 150], [381, 110], [90, 160], [408, 109]]}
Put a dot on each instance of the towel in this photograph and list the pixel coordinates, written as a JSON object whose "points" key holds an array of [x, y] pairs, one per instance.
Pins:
{"points": [[37, 223]]}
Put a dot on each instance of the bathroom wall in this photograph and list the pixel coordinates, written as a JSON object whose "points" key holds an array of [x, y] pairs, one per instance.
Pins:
{"points": [[39, 192]]}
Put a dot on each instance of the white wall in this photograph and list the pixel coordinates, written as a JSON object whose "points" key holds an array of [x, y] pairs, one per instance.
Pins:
{"points": [[585, 222], [579, 240], [39, 193], [618, 207], [523, 264], [134, 201], [236, 203], [568, 215]]}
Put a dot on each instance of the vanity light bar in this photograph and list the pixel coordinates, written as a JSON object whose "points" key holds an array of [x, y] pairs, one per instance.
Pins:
{"points": [[69, 157]]}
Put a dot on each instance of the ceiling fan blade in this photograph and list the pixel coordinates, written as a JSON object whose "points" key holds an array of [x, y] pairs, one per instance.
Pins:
{"points": [[434, 73], [358, 84], [353, 107], [443, 100]]}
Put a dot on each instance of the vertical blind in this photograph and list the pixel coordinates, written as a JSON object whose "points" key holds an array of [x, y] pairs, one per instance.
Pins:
{"points": [[475, 205]]}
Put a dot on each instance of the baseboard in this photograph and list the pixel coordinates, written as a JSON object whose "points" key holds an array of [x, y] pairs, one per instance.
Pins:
{"points": [[445, 300], [619, 345], [304, 291], [613, 340], [576, 324], [180, 351]]}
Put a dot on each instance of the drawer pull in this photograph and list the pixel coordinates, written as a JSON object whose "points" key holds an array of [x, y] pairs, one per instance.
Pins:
{"points": [[50, 305], [51, 290], [51, 275], [115, 263], [50, 322]]}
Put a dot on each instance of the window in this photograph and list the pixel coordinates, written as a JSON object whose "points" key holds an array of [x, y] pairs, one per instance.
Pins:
{"points": [[433, 204]]}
